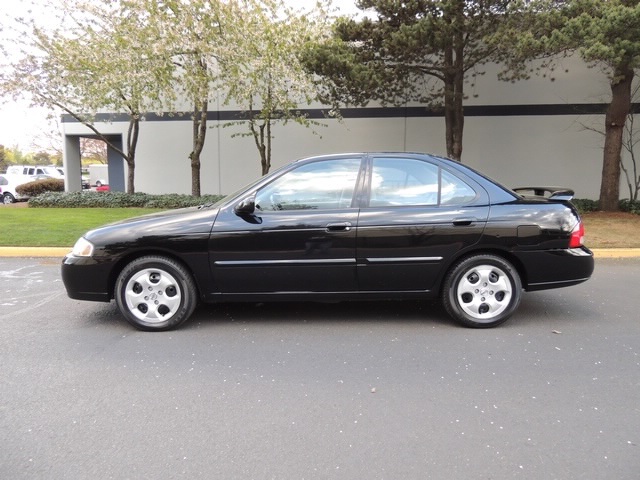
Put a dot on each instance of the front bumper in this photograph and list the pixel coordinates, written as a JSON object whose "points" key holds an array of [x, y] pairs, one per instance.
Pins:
{"points": [[86, 279]]}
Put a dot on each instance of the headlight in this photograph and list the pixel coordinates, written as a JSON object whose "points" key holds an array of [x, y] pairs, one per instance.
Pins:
{"points": [[82, 248]]}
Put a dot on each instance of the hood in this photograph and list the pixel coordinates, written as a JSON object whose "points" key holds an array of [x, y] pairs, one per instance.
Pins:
{"points": [[171, 223]]}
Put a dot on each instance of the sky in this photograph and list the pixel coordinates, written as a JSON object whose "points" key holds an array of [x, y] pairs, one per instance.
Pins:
{"points": [[18, 122], [24, 126]]}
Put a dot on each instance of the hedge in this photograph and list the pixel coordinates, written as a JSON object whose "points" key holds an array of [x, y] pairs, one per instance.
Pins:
{"points": [[118, 200], [38, 187], [585, 205]]}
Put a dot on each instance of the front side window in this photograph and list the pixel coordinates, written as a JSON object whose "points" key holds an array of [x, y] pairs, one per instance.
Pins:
{"points": [[323, 185], [407, 181]]}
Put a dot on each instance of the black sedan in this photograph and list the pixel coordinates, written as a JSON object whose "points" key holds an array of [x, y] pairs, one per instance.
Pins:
{"points": [[367, 226]]}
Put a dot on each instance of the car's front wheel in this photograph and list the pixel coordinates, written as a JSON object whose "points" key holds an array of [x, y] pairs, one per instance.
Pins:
{"points": [[7, 198], [155, 293], [482, 291]]}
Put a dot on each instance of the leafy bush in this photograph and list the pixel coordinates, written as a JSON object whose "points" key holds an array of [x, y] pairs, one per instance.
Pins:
{"points": [[631, 206], [118, 200], [585, 205], [37, 187]]}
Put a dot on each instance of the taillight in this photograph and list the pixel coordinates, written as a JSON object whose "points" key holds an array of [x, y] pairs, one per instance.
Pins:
{"points": [[577, 236]]}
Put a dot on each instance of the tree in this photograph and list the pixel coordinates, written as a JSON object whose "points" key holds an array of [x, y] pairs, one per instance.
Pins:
{"points": [[264, 75], [422, 50], [93, 150], [3, 160], [192, 34], [605, 34], [101, 60], [42, 158]]}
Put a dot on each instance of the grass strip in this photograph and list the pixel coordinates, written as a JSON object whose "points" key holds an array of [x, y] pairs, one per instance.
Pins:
{"points": [[56, 227]]}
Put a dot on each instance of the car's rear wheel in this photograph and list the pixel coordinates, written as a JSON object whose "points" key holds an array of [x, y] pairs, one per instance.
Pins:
{"points": [[155, 293], [7, 198], [482, 291]]}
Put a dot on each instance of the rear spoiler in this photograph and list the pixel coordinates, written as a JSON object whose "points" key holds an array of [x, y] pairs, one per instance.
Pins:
{"points": [[553, 193]]}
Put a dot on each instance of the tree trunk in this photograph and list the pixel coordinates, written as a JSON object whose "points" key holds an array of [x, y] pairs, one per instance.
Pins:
{"points": [[258, 137], [615, 119], [454, 87], [199, 136], [132, 142]]}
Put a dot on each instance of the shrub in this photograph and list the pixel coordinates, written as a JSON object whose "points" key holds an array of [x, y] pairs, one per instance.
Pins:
{"points": [[37, 187], [585, 205], [118, 200], [631, 206]]}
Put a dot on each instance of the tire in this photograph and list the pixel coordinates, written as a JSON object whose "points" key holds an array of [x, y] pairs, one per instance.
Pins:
{"points": [[482, 291], [8, 199], [155, 293]]}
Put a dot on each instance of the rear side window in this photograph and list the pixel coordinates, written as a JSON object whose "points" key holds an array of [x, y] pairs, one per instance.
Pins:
{"points": [[407, 181], [454, 191]]}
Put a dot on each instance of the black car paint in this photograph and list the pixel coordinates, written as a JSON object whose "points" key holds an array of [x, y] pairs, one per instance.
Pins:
{"points": [[344, 254]]}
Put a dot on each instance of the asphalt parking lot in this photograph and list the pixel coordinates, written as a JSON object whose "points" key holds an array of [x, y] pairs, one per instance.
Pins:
{"points": [[345, 391]]}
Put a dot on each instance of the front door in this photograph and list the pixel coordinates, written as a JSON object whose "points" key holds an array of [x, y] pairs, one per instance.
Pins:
{"points": [[300, 239]]}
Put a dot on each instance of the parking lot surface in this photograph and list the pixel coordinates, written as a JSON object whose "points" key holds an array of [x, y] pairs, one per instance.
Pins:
{"points": [[347, 391]]}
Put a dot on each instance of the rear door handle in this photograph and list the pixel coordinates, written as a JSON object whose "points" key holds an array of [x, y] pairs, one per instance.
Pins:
{"points": [[339, 227]]}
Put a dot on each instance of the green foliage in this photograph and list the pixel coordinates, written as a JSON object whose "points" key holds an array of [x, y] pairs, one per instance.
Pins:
{"points": [[118, 200], [420, 50], [78, 67], [605, 34], [57, 227], [631, 206], [3, 162], [263, 73], [37, 187], [585, 205]]}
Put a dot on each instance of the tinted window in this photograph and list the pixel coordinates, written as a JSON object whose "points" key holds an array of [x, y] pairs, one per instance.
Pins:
{"points": [[406, 181], [3, 181], [454, 191], [324, 185]]}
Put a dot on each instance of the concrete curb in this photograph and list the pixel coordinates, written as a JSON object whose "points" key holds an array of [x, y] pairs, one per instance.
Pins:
{"points": [[34, 251], [616, 252], [62, 251]]}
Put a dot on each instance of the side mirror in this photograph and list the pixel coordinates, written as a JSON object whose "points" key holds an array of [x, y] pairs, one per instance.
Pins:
{"points": [[246, 206]]}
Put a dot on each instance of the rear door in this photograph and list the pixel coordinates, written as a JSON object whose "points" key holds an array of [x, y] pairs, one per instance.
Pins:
{"points": [[418, 216]]}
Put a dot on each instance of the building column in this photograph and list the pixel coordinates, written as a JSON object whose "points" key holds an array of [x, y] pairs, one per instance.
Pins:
{"points": [[71, 164], [116, 166]]}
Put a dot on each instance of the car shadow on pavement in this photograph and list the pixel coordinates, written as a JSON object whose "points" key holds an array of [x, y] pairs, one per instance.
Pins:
{"points": [[536, 308], [349, 312]]}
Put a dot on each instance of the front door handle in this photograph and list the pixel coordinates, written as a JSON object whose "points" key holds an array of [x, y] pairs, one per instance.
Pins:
{"points": [[463, 222], [339, 227]]}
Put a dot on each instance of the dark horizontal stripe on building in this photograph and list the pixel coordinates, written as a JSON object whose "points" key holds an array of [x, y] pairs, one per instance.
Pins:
{"points": [[381, 112]]}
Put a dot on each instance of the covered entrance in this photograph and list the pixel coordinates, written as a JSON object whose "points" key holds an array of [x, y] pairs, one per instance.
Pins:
{"points": [[73, 163]]}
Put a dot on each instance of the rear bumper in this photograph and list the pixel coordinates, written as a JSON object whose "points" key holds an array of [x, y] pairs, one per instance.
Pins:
{"points": [[556, 268]]}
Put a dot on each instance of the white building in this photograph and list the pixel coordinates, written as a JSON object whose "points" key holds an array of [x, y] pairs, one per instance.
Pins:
{"points": [[531, 132]]}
